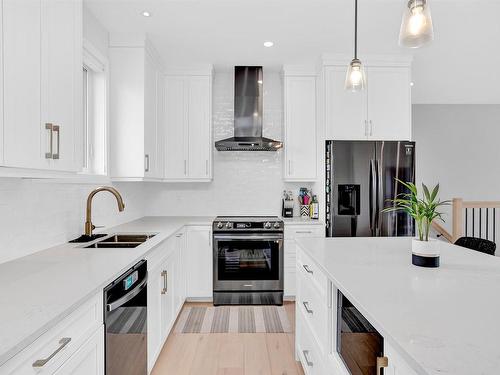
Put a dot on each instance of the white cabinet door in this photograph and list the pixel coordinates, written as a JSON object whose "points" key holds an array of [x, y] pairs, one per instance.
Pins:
{"points": [[180, 274], [176, 140], [389, 103], [25, 139], [167, 301], [199, 119], [88, 359], [151, 80], [300, 128], [199, 262], [61, 64], [345, 116]]}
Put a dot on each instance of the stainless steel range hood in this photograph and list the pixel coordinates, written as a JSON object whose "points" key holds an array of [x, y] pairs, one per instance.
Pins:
{"points": [[248, 95]]}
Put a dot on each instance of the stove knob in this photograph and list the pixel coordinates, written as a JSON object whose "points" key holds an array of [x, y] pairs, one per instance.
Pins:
{"points": [[267, 225], [220, 225], [229, 225], [277, 225]]}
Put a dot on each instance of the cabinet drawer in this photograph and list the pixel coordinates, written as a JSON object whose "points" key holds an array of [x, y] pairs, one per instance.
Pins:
{"points": [[54, 347], [311, 272], [314, 307], [300, 231], [310, 354]]}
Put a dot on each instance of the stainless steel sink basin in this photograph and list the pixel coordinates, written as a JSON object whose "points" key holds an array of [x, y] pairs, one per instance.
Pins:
{"points": [[128, 238], [108, 245], [121, 241]]}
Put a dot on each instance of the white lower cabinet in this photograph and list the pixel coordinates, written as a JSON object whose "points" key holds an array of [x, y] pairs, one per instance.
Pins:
{"points": [[316, 325], [292, 232], [74, 346], [199, 263], [165, 293], [89, 359]]}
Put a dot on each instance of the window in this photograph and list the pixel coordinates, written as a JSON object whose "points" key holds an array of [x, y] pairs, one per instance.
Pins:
{"points": [[94, 132]]}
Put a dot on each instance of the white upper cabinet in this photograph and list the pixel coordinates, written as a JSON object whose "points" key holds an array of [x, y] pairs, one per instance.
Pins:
{"points": [[187, 127], [381, 112], [300, 127], [42, 58], [389, 103], [345, 111], [135, 111]]}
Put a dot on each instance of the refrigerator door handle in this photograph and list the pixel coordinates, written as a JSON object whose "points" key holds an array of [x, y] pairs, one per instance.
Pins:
{"points": [[373, 196], [380, 198]]}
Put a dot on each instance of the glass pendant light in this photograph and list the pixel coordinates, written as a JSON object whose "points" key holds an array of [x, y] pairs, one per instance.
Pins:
{"points": [[416, 26], [355, 78]]}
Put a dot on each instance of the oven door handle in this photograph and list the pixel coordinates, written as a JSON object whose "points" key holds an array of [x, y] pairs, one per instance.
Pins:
{"points": [[249, 237], [127, 297]]}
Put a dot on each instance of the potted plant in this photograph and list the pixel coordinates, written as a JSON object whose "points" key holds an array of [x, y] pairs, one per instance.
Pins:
{"points": [[425, 251]]}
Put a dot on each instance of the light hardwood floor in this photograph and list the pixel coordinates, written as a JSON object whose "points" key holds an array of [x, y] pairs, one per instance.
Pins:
{"points": [[230, 353]]}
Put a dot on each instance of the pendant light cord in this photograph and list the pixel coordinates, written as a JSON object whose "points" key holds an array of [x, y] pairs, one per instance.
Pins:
{"points": [[355, 29]]}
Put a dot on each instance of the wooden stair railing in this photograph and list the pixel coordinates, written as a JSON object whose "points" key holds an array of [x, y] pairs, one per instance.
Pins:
{"points": [[472, 219]]}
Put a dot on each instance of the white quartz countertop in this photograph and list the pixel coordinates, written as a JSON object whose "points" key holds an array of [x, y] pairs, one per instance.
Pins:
{"points": [[442, 321], [38, 290]]}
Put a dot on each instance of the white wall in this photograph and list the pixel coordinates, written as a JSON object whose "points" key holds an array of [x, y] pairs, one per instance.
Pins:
{"points": [[245, 183], [458, 146]]}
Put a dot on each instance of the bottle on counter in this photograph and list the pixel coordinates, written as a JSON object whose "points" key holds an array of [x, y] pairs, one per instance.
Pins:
{"points": [[314, 208]]}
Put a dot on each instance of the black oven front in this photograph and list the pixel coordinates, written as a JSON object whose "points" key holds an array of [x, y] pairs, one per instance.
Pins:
{"points": [[248, 268]]}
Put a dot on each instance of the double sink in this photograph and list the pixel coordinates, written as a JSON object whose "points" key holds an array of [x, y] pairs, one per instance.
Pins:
{"points": [[121, 241]]}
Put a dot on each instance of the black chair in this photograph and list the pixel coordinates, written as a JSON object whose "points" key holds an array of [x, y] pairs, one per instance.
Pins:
{"points": [[478, 244]]}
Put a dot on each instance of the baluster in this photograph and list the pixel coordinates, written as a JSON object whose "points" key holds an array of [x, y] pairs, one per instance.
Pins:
{"points": [[466, 222], [473, 221]]}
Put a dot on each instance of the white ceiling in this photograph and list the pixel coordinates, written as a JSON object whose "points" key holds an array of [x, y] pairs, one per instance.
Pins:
{"points": [[460, 66]]}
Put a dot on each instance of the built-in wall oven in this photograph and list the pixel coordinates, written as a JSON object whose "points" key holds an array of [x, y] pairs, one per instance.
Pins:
{"points": [[359, 344], [248, 261]]}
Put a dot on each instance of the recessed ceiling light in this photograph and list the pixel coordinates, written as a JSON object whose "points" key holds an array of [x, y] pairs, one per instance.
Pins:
{"points": [[146, 14], [268, 44]]}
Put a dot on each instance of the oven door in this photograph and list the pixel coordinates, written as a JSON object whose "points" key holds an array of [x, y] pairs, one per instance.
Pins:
{"points": [[248, 262]]}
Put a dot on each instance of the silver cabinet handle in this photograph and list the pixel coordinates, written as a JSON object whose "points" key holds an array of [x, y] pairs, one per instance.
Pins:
{"points": [[179, 235], [57, 129], [48, 126], [303, 231], [185, 167], [306, 357], [165, 282], [306, 306], [42, 362], [146, 162], [308, 270]]}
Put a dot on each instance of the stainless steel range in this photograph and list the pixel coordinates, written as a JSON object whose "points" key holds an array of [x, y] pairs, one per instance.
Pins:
{"points": [[248, 260]]}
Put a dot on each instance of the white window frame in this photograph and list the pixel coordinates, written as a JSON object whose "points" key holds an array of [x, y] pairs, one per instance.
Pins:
{"points": [[96, 128]]}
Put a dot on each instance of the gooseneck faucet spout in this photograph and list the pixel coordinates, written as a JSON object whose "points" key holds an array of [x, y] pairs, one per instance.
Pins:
{"points": [[89, 227]]}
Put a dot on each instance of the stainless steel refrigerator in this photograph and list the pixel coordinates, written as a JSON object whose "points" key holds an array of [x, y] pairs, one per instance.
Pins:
{"points": [[360, 179]]}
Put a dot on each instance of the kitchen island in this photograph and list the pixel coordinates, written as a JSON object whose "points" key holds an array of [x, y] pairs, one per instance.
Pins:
{"points": [[436, 321]]}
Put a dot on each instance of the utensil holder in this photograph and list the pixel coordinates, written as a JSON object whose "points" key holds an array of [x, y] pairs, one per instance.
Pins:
{"points": [[304, 210]]}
